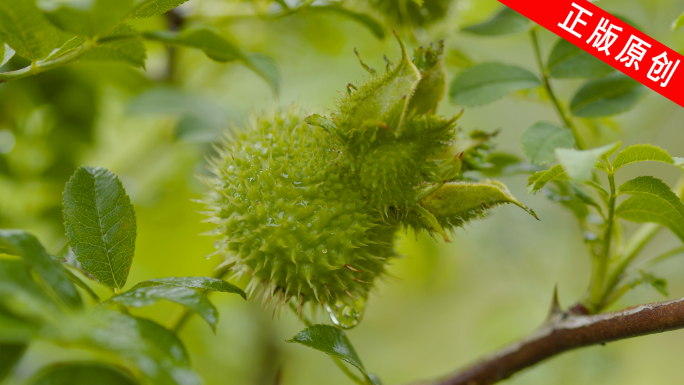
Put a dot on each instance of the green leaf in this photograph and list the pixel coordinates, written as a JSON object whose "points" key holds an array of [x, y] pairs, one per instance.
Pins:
{"points": [[583, 196], [6, 54], [611, 95], [169, 101], [199, 119], [20, 294], [123, 44], [504, 22], [565, 195], [566, 60], [660, 284], [149, 8], [193, 128], [578, 164], [616, 146], [539, 141], [78, 282], [129, 49], [85, 17], [24, 28], [149, 295], [502, 163], [485, 83], [163, 339], [147, 346], [68, 258], [602, 190], [457, 58], [220, 48], [82, 373], [332, 341], [100, 224], [15, 330], [25, 245], [375, 380], [652, 201], [601, 166], [71, 45], [207, 283], [10, 354], [641, 153], [367, 21], [538, 180], [678, 22], [209, 40], [266, 68]]}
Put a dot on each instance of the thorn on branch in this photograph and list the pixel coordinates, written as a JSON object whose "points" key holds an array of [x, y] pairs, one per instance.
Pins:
{"points": [[555, 305], [574, 330]]}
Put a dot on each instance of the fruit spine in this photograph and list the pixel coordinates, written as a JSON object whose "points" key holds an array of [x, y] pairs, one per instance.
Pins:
{"points": [[308, 207]]}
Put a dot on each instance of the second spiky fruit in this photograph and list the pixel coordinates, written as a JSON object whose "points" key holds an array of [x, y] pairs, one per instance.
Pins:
{"points": [[288, 218]]}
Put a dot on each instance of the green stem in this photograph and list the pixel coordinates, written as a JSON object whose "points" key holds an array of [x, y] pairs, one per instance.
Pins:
{"points": [[290, 11], [337, 361], [306, 321], [653, 261], [182, 321], [547, 85], [283, 4], [349, 373], [187, 314], [636, 243], [38, 67], [122, 308], [615, 294], [597, 292]]}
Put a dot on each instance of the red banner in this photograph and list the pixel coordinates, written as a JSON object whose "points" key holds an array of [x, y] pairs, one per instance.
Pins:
{"points": [[611, 40]]}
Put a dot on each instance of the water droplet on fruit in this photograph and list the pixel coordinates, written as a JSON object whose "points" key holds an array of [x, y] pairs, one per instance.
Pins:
{"points": [[217, 245], [208, 256], [325, 251], [346, 316]]}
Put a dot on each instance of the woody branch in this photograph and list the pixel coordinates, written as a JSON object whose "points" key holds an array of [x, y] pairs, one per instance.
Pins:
{"points": [[565, 331]]}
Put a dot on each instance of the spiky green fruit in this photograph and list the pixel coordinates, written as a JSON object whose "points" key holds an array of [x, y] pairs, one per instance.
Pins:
{"points": [[400, 152], [288, 217], [392, 143], [389, 167], [382, 99], [432, 86], [309, 211]]}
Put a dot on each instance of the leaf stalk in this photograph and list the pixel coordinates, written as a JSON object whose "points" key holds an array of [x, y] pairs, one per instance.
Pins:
{"points": [[549, 90]]}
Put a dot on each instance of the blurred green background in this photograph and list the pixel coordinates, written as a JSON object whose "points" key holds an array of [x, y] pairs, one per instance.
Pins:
{"points": [[450, 303]]}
